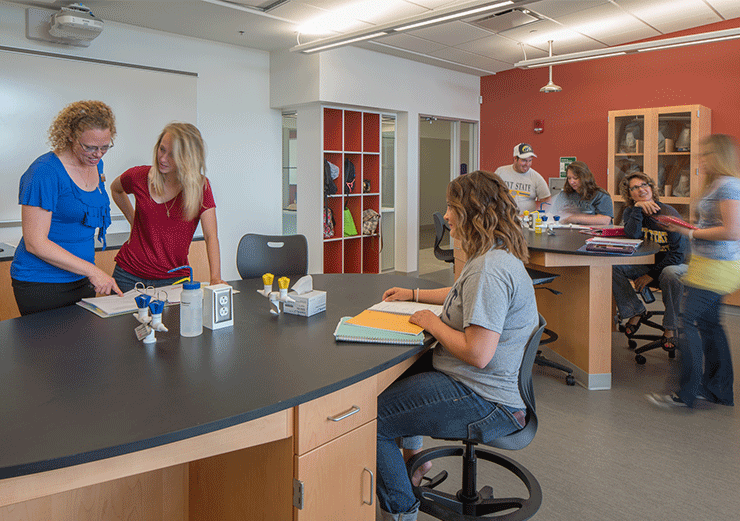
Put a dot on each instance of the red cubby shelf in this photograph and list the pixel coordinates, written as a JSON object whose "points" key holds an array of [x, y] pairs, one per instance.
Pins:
{"points": [[352, 135], [370, 132]]}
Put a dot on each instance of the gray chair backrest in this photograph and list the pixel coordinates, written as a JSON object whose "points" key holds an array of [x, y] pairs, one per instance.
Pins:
{"points": [[281, 255], [440, 226], [521, 438]]}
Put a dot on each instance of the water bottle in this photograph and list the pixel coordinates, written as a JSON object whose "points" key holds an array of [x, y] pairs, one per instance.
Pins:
{"points": [[191, 309], [191, 306]]}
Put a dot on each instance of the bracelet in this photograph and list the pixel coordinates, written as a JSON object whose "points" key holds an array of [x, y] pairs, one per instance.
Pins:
{"points": [[417, 295], [691, 235]]}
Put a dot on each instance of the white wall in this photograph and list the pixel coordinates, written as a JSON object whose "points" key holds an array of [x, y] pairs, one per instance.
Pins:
{"points": [[362, 78], [242, 133]]}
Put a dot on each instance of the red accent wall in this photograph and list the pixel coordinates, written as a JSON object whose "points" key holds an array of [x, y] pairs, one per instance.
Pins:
{"points": [[576, 118]]}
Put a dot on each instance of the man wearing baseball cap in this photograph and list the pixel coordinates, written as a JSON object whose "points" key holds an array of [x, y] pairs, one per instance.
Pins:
{"points": [[527, 187]]}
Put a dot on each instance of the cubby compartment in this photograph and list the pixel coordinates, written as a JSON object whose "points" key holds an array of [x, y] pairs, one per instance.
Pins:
{"points": [[333, 257], [371, 172], [370, 132], [352, 131], [356, 161], [353, 255], [332, 129]]}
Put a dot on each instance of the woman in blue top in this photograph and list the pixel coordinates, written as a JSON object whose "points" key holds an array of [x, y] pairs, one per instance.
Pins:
{"points": [[714, 271], [582, 201], [63, 200]]}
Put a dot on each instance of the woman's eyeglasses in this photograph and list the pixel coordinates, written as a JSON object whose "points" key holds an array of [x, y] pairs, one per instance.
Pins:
{"points": [[93, 150], [639, 187]]}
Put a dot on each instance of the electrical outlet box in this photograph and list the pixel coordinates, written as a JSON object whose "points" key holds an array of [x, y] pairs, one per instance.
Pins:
{"points": [[218, 306]]}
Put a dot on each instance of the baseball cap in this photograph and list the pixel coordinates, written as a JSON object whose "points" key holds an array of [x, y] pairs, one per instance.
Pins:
{"points": [[524, 151]]}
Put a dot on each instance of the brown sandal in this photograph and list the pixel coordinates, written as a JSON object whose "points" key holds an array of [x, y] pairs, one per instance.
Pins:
{"points": [[669, 343], [631, 329]]}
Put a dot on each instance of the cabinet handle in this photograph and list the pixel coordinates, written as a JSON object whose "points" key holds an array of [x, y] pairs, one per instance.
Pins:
{"points": [[372, 487], [353, 410]]}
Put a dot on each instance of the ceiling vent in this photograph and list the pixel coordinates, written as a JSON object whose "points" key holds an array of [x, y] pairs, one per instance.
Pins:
{"points": [[505, 20]]}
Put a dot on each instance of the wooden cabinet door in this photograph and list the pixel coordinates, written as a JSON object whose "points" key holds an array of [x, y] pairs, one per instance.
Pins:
{"points": [[339, 478]]}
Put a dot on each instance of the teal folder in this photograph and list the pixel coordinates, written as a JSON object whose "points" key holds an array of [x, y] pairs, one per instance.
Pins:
{"points": [[351, 333]]}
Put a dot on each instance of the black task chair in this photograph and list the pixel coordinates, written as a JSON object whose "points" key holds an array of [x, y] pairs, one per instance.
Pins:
{"points": [[654, 341], [470, 503], [440, 225], [539, 279], [277, 254]]}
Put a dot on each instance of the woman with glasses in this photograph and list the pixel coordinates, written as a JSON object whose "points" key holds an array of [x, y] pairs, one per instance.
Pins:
{"points": [[582, 201], [172, 197], [642, 205], [714, 271], [488, 317], [63, 200]]}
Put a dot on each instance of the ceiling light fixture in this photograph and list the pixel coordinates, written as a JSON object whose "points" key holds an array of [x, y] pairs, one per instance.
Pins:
{"points": [[344, 42], [550, 87], [654, 45], [423, 20]]}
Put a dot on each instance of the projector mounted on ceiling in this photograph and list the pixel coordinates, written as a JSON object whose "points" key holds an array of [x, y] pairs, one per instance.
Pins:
{"points": [[72, 25], [75, 22]]}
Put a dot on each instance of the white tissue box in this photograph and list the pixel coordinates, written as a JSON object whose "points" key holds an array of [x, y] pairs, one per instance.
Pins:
{"points": [[306, 304]]}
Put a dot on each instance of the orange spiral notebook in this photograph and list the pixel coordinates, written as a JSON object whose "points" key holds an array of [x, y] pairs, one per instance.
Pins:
{"points": [[386, 321]]}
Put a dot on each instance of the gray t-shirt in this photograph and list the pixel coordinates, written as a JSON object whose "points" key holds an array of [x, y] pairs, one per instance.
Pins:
{"points": [[494, 291], [525, 188]]}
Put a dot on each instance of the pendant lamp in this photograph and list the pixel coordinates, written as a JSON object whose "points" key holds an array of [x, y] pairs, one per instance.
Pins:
{"points": [[551, 87]]}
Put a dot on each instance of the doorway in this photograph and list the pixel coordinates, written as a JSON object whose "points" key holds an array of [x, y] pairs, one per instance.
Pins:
{"points": [[447, 149]]}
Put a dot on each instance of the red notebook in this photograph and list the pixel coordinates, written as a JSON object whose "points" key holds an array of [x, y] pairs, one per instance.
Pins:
{"points": [[667, 219]]}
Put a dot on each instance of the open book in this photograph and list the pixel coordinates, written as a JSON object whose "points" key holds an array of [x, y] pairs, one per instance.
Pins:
{"points": [[404, 307], [113, 305]]}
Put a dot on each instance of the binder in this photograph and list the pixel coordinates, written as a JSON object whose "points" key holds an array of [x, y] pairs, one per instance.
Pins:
{"points": [[351, 333]]}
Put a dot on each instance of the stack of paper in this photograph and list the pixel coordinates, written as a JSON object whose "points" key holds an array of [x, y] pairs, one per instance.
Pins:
{"points": [[612, 245], [379, 327]]}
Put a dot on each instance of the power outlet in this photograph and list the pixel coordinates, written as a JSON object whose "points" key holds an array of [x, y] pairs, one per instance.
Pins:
{"points": [[218, 306]]}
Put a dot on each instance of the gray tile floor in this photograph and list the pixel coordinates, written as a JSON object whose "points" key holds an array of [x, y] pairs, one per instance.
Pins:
{"points": [[612, 456]]}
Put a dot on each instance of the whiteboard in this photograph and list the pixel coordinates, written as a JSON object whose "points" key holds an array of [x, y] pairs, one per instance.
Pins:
{"points": [[35, 87]]}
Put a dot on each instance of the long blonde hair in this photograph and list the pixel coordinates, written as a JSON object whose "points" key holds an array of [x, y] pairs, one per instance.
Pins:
{"points": [[721, 157], [76, 118], [188, 152], [486, 215]]}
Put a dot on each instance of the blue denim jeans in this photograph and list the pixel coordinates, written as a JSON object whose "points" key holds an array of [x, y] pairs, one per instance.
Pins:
{"points": [[429, 404], [706, 365], [670, 284], [126, 281]]}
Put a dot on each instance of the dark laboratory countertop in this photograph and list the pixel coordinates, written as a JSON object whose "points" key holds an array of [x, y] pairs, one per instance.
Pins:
{"points": [[569, 241], [78, 388]]}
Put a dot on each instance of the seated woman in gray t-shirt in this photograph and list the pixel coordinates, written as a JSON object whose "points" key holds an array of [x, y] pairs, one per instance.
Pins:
{"points": [[488, 317], [582, 201]]}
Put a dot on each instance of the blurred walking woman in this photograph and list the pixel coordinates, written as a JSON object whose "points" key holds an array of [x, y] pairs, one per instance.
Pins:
{"points": [[63, 200], [172, 197], [487, 318], [714, 271]]}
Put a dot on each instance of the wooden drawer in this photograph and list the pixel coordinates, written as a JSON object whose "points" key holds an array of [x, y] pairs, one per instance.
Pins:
{"points": [[349, 407]]}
